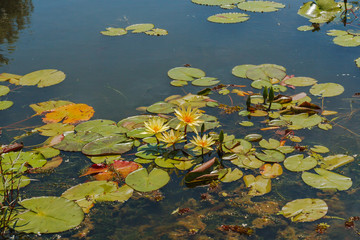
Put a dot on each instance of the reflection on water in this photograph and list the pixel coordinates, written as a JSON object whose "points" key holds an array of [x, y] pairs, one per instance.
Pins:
{"points": [[14, 16]]}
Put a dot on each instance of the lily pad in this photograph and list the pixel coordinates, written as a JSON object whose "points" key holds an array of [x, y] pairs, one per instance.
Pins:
{"points": [[43, 78], [240, 70], [348, 40], [232, 175], [232, 17], [335, 161], [157, 32], [302, 120], [271, 144], [4, 90], [246, 124], [326, 180], [54, 129], [110, 31], [142, 181], [258, 185], [253, 137], [5, 104], [297, 163], [357, 62], [134, 122], [48, 215], [305, 28], [205, 82], [319, 149], [259, 84], [107, 145], [21, 161], [250, 161], [74, 142], [326, 89], [139, 28], [305, 210], [185, 73], [161, 107], [47, 106], [178, 83], [100, 126], [300, 81], [260, 6], [271, 156], [271, 170]]}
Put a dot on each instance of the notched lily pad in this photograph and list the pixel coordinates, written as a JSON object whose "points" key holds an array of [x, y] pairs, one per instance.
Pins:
{"points": [[327, 89], [297, 163], [5, 104], [157, 32], [228, 18], [326, 180], [185, 73], [110, 31], [107, 146], [335, 161], [43, 78], [205, 82], [305, 210], [139, 28], [142, 181], [260, 6]]}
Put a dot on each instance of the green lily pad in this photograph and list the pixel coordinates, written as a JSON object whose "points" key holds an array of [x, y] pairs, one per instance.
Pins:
{"points": [[250, 161], [297, 163], [142, 181], [48, 215], [253, 137], [108, 159], [335, 161], [246, 124], [184, 165], [215, 2], [259, 84], [205, 82], [43, 78], [335, 33], [165, 162], [161, 107], [240, 70], [348, 40], [110, 31], [13, 183], [305, 210], [271, 156], [4, 90], [54, 129], [157, 32], [326, 89], [300, 81], [20, 161], [107, 145], [232, 17], [100, 126], [5, 104], [319, 149], [302, 120], [285, 149], [178, 83], [271, 144], [260, 6], [185, 73], [305, 28], [258, 185], [138, 133], [326, 180], [133, 122], [357, 62], [75, 142], [139, 28], [47, 152], [232, 175]]}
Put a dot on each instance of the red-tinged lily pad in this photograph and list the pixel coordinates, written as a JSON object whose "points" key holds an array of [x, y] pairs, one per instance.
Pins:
{"points": [[107, 145], [113, 170], [143, 181]]}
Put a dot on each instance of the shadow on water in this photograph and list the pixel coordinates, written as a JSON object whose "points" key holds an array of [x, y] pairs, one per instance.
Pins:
{"points": [[14, 17]]}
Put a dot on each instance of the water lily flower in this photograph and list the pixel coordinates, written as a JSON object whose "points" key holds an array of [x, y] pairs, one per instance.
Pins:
{"points": [[156, 125], [188, 117], [171, 137], [202, 143]]}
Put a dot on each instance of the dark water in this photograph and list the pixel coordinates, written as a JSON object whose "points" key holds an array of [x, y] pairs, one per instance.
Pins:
{"points": [[115, 75]]}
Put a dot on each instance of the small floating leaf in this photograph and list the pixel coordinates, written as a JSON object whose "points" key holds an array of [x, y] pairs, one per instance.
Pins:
{"points": [[253, 137], [157, 32], [271, 144], [161, 107], [240, 70], [110, 31], [185, 73], [228, 18], [205, 82], [271, 170], [143, 181], [271, 156], [232, 175], [48, 215], [305, 28], [319, 149], [300, 81], [259, 185], [260, 6], [326, 180], [4, 90], [54, 129], [5, 104], [43, 78], [297, 163], [107, 145], [246, 123], [139, 28], [215, 2], [305, 210], [178, 83], [357, 62], [327, 89], [335, 161], [259, 84]]}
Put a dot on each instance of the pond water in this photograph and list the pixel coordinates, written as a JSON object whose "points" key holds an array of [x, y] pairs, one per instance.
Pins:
{"points": [[116, 75]]}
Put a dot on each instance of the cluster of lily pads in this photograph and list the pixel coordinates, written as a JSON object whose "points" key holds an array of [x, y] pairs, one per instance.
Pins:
{"points": [[176, 134], [147, 28], [40, 78]]}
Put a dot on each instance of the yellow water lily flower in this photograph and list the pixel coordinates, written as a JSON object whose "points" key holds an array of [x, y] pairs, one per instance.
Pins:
{"points": [[202, 143], [156, 125], [171, 137], [188, 117]]}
